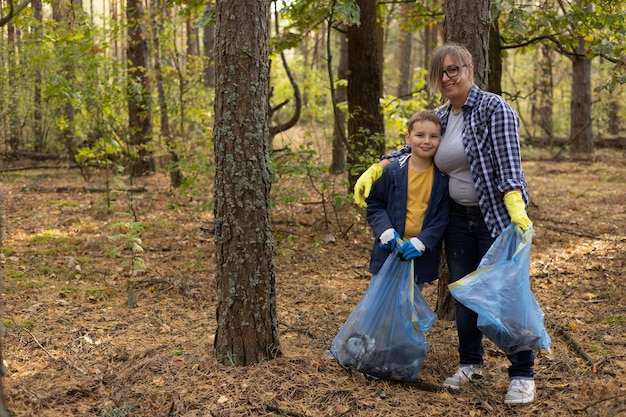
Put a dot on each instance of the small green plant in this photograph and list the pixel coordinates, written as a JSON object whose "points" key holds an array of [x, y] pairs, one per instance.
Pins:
{"points": [[128, 238], [25, 324], [98, 294], [616, 320]]}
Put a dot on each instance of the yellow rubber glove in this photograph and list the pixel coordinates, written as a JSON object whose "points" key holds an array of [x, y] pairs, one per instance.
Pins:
{"points": [[517, 210], [365, 182]]}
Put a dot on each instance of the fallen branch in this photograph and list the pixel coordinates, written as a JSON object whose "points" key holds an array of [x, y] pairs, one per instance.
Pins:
{"points": [[280, 411], [38, 189], [54, 358], [574, 344], [601, 400]]}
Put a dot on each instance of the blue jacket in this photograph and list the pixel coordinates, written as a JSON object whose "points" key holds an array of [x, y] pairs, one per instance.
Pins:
{"points": [[386, 208]]}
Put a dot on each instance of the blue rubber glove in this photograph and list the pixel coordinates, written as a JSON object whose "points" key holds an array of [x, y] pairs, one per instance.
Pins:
{"points": [[388, 238], [412, 248]]}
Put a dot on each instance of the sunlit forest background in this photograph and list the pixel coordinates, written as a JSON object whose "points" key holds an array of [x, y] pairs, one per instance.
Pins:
{"points": [[67, 78]]}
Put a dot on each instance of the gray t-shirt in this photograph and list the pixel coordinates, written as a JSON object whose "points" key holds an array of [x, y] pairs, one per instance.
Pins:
{"points": [[451, 159]]}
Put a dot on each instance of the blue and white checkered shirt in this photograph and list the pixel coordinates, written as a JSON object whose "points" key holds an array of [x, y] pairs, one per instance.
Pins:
{"points": [[492, 146]]}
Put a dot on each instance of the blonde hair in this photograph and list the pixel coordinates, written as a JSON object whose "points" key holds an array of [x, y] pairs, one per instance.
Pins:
{"points": [[423, 116], [457, 52]]}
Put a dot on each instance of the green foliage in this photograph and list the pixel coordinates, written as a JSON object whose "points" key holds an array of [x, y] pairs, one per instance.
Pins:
{"points": [[563, 24], [127, 236], [300, 175], [397, 112], [98, 294]]}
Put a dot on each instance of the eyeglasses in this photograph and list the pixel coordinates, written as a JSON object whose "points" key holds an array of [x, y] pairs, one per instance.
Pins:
{"points": [[452, 72]]}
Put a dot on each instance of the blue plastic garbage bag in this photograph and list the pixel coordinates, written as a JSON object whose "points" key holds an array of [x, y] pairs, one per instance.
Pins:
{"points": [[499, 292], [383, 336]]}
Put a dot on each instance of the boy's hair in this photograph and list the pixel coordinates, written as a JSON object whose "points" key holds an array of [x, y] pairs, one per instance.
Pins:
{"points": [[423, 116], [457, 52]]}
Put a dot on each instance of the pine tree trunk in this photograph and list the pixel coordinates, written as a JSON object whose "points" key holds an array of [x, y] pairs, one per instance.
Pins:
{"points": [[581, 129], [338, 163], [366, 127], [543, 100], [139, 108], [468, 23], [208, 39], [247, 324], [176, 176]]}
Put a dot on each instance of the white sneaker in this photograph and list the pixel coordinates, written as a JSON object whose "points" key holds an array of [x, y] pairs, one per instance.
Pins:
{"points": [[521, 391], [464, 374]]}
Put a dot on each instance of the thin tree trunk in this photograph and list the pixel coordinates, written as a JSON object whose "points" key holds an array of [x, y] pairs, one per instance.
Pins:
{"points": [[405, 57], [208, 39], [176, 177], [192, 38], [14, 140], [139, 107], [338, 163], [3, 409], [543, 100], [38, 137], [581, 129], [68, 134]]}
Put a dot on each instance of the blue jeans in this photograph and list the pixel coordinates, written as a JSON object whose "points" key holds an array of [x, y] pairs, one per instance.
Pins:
{"points": [[466, 240]]}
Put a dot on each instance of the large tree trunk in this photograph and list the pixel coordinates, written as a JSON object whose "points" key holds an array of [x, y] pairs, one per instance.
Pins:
{"points": [[139, 107], [366, 127], [494, 82], [247, 324], [468, 23]]}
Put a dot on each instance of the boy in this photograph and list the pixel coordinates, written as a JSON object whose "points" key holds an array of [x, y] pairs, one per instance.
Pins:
{"points": [[410, 202]]}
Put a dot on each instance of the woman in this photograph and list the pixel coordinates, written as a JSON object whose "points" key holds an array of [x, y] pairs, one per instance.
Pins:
{"points": [[480, 152]]}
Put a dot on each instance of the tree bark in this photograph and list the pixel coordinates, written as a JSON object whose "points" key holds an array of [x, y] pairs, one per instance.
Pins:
{"points": [[468, 23], [247, 324], [208, 39], [543, 101], [60, 10], [3, 409], [405, 55], [38, 135], [139, 104], [581, 129], [366, 127], [14, 135], [494, 81], [338, 163]]}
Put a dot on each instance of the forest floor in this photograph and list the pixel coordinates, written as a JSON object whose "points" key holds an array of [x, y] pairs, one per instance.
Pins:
{"points": [[73, 347]]}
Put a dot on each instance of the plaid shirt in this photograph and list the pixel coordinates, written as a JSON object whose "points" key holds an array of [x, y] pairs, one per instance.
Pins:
{"points": [[491, 139]]}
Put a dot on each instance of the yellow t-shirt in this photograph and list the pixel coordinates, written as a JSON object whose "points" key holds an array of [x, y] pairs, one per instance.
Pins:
{"points": [[420, 186]]}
